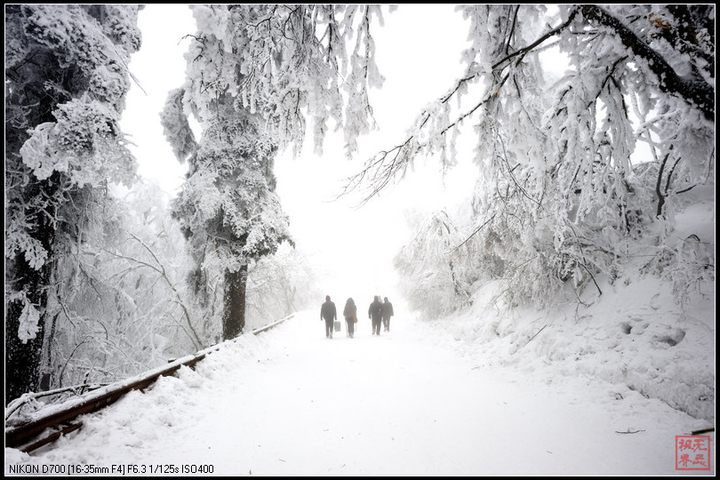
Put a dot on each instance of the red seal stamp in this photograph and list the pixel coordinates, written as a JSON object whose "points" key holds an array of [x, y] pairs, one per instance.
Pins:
{"points": [[692, 452]]}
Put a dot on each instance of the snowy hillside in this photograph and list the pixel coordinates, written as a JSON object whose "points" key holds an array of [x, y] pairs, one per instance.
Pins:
{"points": [[634, 335]]}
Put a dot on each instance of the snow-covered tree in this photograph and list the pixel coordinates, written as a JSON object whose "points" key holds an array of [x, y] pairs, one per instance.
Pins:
{"points": [[562, 189], [66, 78], [279, 285], [120, 304], [228, 209], [437, 267], [255, 74]]}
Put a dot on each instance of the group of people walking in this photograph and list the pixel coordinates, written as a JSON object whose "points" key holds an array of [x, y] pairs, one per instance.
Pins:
{"points": [[379, 312]]}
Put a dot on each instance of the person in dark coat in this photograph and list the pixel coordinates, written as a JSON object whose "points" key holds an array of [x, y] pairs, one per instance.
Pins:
{"points": [[329, 314], [387, 312], [375, 314], [350, 314]]}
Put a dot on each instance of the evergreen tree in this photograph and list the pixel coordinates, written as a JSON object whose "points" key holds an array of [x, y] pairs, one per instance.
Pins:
{"points": [[254, 73], [228, 210]]}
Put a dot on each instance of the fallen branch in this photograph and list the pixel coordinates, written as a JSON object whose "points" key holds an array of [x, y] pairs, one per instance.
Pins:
{"points": [[531, 338]]}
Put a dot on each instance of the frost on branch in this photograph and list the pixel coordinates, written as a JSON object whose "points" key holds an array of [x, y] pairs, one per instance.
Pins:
{"points": [[256, 76], [561, 100], [176, 126], [437, 269], [66, 78], [287, 63], [83, 144], [29, 319]]}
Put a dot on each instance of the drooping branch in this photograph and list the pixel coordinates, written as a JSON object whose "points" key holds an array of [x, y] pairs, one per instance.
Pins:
{"points": [[381, 169], [387, 164], [520, 52], [696, 91], [551, 33], [473, 234]]}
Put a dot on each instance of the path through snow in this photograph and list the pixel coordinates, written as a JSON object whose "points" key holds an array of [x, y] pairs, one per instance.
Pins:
{"points": [[291, 402]]}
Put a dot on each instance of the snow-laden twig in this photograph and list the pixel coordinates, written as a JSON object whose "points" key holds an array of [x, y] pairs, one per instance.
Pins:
{"points": [[161, 270]]}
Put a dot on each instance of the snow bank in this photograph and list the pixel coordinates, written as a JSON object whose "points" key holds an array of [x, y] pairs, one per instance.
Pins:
{"points": [[632, 338], [634, 335]]}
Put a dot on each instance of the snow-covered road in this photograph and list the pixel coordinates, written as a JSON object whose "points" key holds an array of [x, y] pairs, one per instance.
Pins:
{"points": [[291, 402]]}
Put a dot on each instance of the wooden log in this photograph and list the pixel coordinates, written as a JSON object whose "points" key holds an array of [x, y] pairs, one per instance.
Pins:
{"points": [[51, 438], [20, 437]]}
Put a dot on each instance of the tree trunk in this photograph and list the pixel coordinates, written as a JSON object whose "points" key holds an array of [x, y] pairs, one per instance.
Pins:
{"points": [[22, 360], [234, 303]]}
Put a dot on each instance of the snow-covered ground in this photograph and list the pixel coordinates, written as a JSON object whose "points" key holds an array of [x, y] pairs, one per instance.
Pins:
{"points": [[635, 334], [413, 401]]}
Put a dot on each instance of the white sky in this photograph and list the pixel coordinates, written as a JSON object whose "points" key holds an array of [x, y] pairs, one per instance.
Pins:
{"points": [[159, 67], [418, 54]]}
